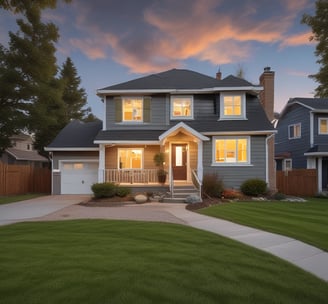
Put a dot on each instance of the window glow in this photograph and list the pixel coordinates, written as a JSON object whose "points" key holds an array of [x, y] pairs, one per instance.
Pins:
{"points": [[130, 158], [323, 126], [231, 150], [132, 109], [181, 107]]}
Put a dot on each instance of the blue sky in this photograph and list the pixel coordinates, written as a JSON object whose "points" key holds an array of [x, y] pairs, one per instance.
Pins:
{"points": [[115, 41]]}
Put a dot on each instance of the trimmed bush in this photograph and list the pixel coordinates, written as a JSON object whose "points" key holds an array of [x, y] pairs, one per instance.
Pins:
{"points": [[104, 190], [254, 187], [122, 191], [212, 185]]}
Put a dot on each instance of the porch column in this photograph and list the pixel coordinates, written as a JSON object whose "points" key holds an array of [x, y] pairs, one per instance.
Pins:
{"points": [[101, 169], [319, 172], [200, 160]]}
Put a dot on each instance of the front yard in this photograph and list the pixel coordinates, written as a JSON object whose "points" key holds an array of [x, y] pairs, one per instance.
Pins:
{"points": [[307, 222], [102, 261]]}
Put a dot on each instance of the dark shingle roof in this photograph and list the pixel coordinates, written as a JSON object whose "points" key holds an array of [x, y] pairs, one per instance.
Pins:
{"points": [[315, 103], [26, 155], [318, 149], [130, 135], [178, 79], [77, 134]]}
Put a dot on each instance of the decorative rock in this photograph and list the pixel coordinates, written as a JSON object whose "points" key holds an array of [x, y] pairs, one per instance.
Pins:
{"points": [[192, 199], [140, 198]]}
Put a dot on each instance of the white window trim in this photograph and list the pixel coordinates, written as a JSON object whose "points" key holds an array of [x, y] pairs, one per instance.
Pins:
{"points": [[142, 110], [284, 167], [236, 164], [294, 125], [319, 122], [242, 116], [142, 158], [172, 117]]}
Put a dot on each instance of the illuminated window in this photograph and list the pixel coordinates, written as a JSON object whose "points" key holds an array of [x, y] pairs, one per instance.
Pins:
{"points": [[229, 150], [130, 158], [323, 126], [232, 106], [181, 107], [132, 109], [294, 131]]}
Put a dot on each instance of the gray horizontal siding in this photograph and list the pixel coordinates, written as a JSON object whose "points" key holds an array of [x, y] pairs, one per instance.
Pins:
{"points": [[297, 147], [234, 176]]}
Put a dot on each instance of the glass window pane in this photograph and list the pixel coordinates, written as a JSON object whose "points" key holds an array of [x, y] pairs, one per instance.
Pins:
{"points": [[323, 126], [181, 106], [132, 109], [231, 150]]}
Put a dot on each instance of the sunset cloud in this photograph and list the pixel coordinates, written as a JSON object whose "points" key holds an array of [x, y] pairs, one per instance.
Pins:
{"points": [[154, 35]]}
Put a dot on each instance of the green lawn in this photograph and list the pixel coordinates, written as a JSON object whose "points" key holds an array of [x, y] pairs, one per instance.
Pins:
{"points": [[307, 222], [17, 198], [99, 261]]}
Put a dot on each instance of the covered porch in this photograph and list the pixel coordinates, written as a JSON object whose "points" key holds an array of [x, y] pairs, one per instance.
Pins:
{"points": [[131, 162]]}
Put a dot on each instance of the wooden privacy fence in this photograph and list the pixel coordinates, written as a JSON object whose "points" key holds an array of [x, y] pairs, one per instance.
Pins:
{"points": [[22, 179], [298, 182]]}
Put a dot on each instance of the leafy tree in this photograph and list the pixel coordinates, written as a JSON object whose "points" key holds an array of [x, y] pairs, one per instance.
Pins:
{"points": [[19, 6], [319, 25], [74, 97]]}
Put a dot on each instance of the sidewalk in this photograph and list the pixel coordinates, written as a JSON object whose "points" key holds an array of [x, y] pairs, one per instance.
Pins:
{"points": [[305, 256]]}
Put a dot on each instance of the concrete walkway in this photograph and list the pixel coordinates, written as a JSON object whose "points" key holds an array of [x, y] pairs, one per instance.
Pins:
{"points": [[64, 207]]}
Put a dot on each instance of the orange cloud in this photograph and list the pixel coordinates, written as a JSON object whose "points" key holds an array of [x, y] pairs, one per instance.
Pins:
{"points": [[297, 40], [89, 47]]}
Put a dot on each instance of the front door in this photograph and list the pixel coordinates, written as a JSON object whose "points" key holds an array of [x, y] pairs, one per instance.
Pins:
{"points": [[179, 161]]}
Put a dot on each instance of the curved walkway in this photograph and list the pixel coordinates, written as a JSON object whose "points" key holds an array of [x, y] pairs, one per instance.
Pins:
{"points": [[65, 207]]}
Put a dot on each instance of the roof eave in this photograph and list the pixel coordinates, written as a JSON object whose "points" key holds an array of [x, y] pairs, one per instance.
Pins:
{"points": [[50, 149]]}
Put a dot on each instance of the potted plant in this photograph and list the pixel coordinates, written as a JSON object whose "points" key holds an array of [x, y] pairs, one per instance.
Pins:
{"points": [[159, 160]]}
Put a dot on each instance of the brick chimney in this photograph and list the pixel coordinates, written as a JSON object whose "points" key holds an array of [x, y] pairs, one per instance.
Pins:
{"points": [[218, 75], [267, 95]]}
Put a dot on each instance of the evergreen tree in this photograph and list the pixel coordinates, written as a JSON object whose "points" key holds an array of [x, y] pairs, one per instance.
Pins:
{"points": [[74, 97], [31, 57], [319, 25]]}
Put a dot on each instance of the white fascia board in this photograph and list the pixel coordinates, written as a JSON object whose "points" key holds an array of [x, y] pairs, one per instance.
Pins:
{"points": [[320, 111], [182, 125], [241, 133], [178, 91], [71, 149], [316, 154], [127, 142]]}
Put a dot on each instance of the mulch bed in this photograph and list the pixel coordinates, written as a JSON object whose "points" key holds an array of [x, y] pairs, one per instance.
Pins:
{"points": [[115, 201]]}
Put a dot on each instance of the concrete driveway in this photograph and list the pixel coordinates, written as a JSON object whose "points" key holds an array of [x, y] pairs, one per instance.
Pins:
{"points": [[37, 207]]}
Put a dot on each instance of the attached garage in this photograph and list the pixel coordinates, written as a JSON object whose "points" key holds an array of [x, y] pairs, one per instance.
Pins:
{"points": [[77, 177]]}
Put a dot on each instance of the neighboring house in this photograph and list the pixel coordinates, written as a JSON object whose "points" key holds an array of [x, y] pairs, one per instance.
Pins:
{"points": [[202, 124], [302, 139], [23, 153]]}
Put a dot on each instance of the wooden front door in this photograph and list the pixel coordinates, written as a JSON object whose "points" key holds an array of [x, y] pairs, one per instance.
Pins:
{"points": [[179, 161]]}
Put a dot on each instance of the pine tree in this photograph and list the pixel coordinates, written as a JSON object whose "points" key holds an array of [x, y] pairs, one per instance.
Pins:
{"points": [[319, 25], [31, 56], [74, 97]]}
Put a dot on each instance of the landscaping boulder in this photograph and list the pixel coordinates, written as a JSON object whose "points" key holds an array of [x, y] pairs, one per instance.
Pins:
{"points": [[140, 198], [192, 199]]}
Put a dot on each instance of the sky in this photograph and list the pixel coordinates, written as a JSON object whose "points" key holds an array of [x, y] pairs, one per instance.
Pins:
{"points": [[113, 41]]}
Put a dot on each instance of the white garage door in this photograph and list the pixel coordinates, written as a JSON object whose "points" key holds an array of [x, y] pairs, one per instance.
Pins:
{"points": [[78, 177]]}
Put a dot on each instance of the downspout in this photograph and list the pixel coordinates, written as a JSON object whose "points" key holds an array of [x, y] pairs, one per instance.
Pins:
{"points": [[266, 157], [311, 129]]}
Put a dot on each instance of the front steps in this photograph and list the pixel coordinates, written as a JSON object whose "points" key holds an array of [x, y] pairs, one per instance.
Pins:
{"points": [[180, 193]]}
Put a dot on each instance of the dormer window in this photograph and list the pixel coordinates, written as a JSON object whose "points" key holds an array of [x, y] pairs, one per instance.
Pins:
{"points": [[182, 107], [232, 106]]}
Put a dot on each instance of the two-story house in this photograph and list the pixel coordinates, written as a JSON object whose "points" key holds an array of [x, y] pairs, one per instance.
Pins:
{"points": [[201, 124], [302, 139]]}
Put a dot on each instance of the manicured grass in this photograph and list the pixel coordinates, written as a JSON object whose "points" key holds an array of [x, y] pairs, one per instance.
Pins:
{"points": [[17, 198], [98, 261], [307, 222]]}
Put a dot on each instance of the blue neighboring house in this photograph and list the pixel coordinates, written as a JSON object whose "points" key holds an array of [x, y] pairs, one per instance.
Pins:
{"points": [[302, 139], [202, 125]]}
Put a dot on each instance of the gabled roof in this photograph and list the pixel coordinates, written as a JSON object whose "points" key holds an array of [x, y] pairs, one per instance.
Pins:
{"points": [[26, 155], [313, 104], [176, 80], [76, 135]]}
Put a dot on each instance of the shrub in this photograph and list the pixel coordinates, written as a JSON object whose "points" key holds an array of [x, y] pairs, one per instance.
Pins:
{"points": [[212, 185], [232, 194], [104, 189], [254, 187], [278, 196], [122, 191]]}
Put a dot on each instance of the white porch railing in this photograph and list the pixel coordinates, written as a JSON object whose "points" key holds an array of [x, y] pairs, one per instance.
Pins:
{"points": [[197, 183], [131, 176]]}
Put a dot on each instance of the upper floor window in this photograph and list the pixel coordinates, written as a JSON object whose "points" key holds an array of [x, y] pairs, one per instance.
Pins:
{"points": [[323, 126], [132, 109], [182, 107], [130, 158], [232, 106], [294, 131], [231, 150]]}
